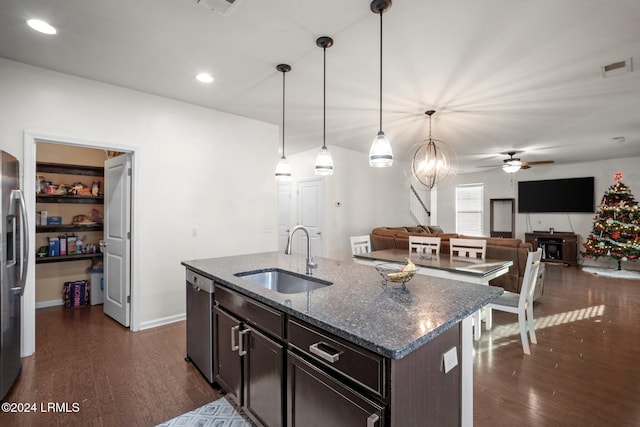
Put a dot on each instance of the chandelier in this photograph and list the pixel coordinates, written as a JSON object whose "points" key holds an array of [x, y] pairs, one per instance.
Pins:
{"points": [[433, 160]]}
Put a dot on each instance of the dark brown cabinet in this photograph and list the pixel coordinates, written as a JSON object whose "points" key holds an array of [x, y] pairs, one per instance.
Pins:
{"points": [[317, 399], [284, 371], [249, 363], [263, 373], [558, 247], [228, 367]]}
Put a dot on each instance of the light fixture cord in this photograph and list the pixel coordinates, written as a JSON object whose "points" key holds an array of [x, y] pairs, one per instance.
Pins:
{"points": [[380, 70], [283, 73], [324, 100]]}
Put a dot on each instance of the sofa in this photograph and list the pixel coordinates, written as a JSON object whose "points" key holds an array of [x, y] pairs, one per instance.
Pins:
{"points": [[499, 248]]}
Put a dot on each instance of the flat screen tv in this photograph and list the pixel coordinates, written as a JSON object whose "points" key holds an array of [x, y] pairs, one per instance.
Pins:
{"points": [[572, 195]]}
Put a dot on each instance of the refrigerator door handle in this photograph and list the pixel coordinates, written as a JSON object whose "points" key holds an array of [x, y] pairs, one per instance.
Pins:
{"points": [[11, 250], [24, 236]]}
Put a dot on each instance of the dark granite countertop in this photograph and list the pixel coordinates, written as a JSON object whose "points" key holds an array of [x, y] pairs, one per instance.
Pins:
{"points": [[357, 307]]}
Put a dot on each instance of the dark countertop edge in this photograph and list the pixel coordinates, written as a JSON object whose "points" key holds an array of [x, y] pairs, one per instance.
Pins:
{"points": [[394, 354]]}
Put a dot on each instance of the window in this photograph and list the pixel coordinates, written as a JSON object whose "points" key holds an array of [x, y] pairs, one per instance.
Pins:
{"points": [[469, 209]]}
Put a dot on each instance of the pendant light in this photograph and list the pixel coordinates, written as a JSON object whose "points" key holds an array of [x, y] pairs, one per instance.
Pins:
{"points": [[324, 162], [283, 170], [380, 154], [433, 160]]}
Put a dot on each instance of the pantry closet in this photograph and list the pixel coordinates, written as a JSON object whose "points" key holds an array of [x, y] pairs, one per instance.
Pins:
{"points": [[69, 213]]}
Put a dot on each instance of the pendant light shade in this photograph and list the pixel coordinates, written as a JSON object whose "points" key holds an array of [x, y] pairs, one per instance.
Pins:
{"points": [[283, 169], [380, 154], [324, 161], [433, 160]]}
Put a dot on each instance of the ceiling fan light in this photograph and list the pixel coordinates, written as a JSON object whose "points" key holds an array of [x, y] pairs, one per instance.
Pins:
{"points": [[324, 162], [380, 154], [512, 166]]}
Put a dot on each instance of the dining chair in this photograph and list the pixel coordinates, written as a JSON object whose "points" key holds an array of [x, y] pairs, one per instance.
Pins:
{"points": [[470, 248], [422, 245], [360, 244], [521, 304]]}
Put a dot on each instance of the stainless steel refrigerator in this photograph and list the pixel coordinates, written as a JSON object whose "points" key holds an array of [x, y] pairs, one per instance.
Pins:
{"points": [[13, 269]]}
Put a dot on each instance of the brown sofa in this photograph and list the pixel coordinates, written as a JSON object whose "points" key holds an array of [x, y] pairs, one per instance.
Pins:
{"points": [[499, 248]]}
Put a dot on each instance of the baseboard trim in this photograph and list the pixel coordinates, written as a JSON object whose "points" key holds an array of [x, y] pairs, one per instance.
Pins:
{"points": [[163, 321], [46, 304]]}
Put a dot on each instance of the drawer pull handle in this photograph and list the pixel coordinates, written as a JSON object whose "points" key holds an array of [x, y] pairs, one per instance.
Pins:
{"points": [[372, 421], [234, 346], [241, 335], [322, 350]]}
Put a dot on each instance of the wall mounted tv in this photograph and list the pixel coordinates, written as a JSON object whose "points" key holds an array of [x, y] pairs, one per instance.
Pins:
{"points": [[572, 195]]}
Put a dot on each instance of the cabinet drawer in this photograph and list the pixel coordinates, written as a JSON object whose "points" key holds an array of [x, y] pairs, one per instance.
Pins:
{"points": [[253, 312], [360, 365], [317, 399]]}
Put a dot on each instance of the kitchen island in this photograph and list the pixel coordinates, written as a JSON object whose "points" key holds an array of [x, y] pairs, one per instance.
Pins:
{"points": [[355, 348]]}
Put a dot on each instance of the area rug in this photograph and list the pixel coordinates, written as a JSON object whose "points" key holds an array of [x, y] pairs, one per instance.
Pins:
{"points": [[219, 413], [610, 272]]}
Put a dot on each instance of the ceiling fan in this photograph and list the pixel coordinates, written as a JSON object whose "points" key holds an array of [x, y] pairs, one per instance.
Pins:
{"points": [[514, 164]]}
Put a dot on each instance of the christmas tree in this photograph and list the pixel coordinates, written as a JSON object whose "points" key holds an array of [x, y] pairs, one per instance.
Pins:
{"points": [[616, 226]]}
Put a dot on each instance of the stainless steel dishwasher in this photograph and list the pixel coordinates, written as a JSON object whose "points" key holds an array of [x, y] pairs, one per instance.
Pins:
{"points": [[200, 323]]}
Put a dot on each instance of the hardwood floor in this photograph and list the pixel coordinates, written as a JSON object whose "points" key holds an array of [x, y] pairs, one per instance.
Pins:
{"points": [[117, 377], [584, 371]]}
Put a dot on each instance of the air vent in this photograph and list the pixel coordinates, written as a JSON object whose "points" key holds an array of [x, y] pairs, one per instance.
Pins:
{"points": [[221, 7], [617, 68]]}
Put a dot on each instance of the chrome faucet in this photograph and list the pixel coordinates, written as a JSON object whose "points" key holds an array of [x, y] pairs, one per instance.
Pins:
{"points": [[310, 261]]}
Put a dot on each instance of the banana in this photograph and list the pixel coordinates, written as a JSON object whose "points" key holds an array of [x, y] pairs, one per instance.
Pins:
{"points": [[396, 277], [410, 266]]}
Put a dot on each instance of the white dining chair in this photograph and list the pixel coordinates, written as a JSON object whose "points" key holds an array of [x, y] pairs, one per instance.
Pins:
{"points": [[470, 248], [360, 244], [422, 245], [521, 304]]}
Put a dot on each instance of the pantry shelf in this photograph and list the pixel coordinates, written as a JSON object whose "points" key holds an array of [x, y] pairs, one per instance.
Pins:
{"points": [[63, 258], [68, 228]]}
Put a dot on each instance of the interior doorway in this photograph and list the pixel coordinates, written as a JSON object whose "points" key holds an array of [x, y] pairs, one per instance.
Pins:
{"points": [[311, 213], [31, 140]]}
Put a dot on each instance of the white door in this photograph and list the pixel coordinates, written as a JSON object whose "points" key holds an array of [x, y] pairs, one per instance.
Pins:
{"points": [[117, 234], [284, 196], [310, 208]]}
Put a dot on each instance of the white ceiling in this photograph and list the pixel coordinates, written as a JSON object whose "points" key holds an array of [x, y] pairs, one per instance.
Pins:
{"points": [[502, 74]]}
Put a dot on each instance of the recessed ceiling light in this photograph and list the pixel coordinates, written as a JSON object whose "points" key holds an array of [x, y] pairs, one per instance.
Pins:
{"points": [[204, 78], [41, 26]]}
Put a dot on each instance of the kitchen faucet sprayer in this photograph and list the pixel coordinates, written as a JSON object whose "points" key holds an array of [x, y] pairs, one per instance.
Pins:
{"points": [[310, 261]]}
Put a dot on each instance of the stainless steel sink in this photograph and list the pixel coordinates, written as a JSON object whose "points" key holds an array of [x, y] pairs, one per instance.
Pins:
{"points": [[283, 281]]}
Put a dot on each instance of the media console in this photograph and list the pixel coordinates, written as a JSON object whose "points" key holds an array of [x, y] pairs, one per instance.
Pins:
{"points": [[558, 247]]}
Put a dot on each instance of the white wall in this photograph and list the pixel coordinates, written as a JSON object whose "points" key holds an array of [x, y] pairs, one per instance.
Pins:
{"points": [[498, 184], [369, 197], [199, 171]]}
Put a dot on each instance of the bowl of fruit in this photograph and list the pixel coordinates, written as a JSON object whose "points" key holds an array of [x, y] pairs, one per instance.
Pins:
{"points": [[394, 273]]}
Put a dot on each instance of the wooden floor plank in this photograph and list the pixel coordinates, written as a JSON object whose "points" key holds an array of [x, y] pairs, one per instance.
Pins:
{"points": [[585, 369], [118, 377]]}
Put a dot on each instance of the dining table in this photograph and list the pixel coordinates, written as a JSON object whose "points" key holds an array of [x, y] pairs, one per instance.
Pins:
{"points": [[464, 269]]}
